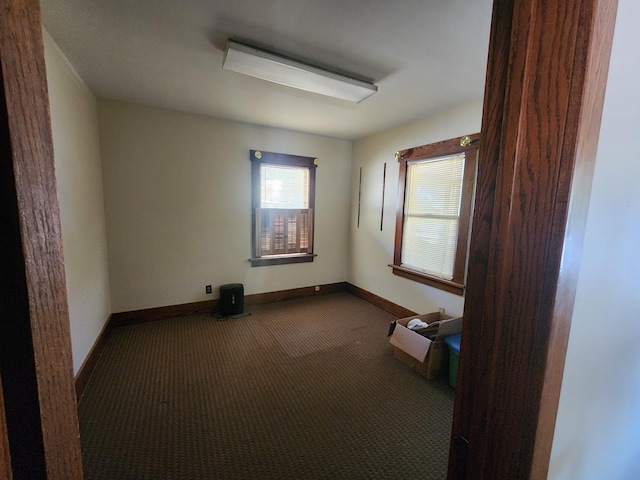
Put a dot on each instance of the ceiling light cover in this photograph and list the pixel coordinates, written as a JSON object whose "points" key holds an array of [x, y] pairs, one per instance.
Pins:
{"points": [[275, 68]]}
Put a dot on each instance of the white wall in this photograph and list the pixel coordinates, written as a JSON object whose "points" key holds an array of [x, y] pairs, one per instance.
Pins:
{"points": [[371, 250], [178, 206], [598, 425], [78, 171]]}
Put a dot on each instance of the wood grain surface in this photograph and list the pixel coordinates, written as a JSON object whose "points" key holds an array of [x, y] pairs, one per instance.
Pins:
{"points": [[543, 101], [40, 407], [5, 455]]}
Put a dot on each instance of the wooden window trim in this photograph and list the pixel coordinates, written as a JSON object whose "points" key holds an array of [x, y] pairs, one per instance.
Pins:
{"points": [[433, 150], [282, 259], [258, 158]]}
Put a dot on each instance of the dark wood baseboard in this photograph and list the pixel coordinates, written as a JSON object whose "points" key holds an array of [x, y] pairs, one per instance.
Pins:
{"points": [[290, 294], [382, 303], [89, 364], [159, 313]]}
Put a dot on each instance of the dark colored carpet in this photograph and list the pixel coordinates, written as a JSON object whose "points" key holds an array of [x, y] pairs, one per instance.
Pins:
{"points": [[303, 389]]}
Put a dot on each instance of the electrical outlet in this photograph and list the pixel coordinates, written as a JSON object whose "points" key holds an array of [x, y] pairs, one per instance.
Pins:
{"points": [[207, 289], [317, 288], [441, 310]]}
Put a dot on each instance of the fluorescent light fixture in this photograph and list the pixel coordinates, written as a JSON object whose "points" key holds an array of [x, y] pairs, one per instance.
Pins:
{"points": [[275, 68]]}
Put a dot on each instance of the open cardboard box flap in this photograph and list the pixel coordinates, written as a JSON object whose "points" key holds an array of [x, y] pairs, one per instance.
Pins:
{"points": [[418, 345]]}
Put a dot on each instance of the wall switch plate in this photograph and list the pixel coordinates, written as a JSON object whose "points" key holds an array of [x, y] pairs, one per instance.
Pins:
{"points": [[207, 289]]}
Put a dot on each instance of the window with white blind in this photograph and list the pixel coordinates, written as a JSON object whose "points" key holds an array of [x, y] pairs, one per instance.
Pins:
{"points": [[432, 224], [283, 203]]}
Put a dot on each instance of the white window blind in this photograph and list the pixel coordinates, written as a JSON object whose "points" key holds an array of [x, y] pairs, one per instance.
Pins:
{"points": [[432, 214]]}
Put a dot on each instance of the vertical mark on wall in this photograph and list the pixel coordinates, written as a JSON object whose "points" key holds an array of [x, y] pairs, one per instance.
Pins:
{"points": [[384, 181], [359, 195]]}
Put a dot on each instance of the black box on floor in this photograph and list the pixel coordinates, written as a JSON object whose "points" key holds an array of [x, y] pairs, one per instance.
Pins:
{"points": [[231, 299]]}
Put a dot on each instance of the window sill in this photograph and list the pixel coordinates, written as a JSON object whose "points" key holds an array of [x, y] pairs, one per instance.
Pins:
{"points": [[282, 259], [430, 280]]}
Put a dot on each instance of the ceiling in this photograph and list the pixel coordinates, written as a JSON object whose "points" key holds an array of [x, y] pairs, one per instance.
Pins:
{"points": [[424, 55]]}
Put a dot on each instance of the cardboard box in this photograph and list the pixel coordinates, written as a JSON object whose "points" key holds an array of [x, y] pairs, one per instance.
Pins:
{"points": [[428, 357]]}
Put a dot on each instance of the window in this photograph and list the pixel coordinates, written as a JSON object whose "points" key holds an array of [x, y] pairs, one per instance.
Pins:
{"points": [[283, 203], [436, 185]]}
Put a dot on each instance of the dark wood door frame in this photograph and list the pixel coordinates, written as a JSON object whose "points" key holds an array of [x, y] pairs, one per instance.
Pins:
{"points": [[39, 433], [548, 64], [545, 84]]}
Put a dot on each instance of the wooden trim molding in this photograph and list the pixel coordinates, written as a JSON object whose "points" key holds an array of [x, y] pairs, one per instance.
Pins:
{"points": [[302, 292], [159, 313], [459, 145], [547, 70], [416, 276], [35, 343], [298, 253], [282, 259], [5, 454], [382, 303], [595, 38], [90, 362]]}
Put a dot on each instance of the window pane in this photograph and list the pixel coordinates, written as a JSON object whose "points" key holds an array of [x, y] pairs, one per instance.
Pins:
{"points": [[432, 209], [284, 187], [429, 245], [282, 201], [434, 187]]}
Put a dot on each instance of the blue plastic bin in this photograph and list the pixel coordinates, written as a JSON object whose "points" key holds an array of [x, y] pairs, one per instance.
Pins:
{"points": [[453, 342]]}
